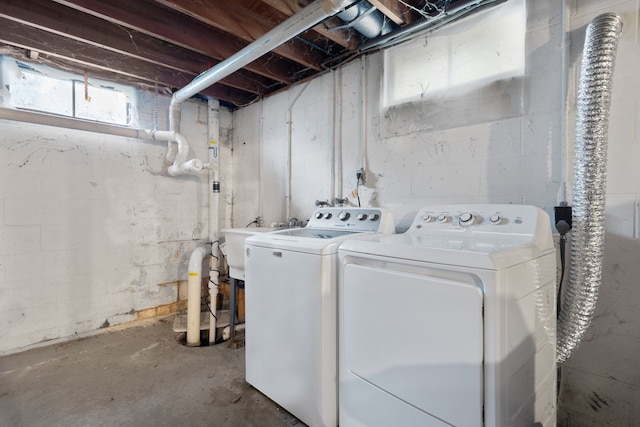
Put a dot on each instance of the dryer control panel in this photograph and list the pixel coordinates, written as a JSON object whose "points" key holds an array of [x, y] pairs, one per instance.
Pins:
{"points": [[352, 219], [521, 220]]}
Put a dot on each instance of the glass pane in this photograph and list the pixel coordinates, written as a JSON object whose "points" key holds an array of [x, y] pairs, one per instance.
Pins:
{"points": [[102, 104], [35, 91], [483, 48]]}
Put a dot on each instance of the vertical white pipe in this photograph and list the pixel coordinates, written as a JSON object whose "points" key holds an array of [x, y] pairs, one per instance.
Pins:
{"points": [[339, 143], [194, 296], [214, 211], [564, 155], [332, 184], [289, 145], [363, 122], [261, 163]]}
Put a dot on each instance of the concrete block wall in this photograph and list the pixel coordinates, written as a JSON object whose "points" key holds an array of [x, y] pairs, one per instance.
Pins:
{"points": [[508, 141], [92, 231]]}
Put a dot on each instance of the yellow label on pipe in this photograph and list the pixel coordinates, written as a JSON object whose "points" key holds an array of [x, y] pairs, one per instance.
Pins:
{"points": [[193, 273]]}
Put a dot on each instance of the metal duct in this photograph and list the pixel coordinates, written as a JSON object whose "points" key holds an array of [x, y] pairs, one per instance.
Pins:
{"points": [[366, 19], [590, 164]]}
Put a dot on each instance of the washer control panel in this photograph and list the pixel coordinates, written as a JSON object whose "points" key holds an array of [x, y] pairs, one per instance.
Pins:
{"points": [[508, 219], [352, 219]]}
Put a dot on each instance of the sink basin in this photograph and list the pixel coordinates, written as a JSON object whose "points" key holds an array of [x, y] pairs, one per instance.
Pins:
{"points": [[233, 247]]}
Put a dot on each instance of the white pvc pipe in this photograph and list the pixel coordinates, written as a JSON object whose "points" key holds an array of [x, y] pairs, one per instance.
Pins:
{"points": [[194, 297], [564, 155], [340, 190], [261, 165], [214, 210], [308, 17], [332, 184], [287, 196], [363, 124], [179, 157]]}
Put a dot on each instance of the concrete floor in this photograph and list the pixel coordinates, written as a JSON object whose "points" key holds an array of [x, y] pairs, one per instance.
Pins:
{"points": [[139, 376]]}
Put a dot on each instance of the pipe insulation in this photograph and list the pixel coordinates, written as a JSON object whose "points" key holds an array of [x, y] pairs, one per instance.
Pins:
{"points": [[589, 184]]}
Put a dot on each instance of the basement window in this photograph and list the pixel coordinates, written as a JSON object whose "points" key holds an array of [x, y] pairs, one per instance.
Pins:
{"points": [[457, 60], [40, 88]]}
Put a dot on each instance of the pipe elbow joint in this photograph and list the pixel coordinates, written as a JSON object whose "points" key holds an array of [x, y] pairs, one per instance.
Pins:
{"points": [[189, 167]]}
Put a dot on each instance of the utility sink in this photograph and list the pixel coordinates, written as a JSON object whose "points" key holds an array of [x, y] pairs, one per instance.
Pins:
{"points": [[233, 247]]}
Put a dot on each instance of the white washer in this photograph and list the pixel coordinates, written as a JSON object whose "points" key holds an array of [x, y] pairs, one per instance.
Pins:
{"points": [[291, 309], [451, 323]]}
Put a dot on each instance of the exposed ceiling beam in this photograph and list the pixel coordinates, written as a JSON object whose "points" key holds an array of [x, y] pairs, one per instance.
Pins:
{"points": [[246, 25], [392, 9], [99, 34], [129, 69], [183, 31]]}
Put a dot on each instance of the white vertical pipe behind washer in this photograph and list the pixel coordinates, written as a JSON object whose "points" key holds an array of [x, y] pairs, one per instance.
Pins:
{"points": [[214, 212]]}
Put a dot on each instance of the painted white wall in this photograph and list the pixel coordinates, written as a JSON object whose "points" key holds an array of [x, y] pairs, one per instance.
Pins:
{"points": [[91, 229], [500, 141]]}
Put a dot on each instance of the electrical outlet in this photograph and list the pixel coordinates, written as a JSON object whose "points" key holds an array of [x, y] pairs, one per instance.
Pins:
{"points": [[563, 218]]}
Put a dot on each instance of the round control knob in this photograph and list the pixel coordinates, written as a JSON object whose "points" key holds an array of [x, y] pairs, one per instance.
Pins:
{"points": [[362, 216], [328, 215], [495, 219], [319, 215], [466, 219], [374, 217], [442, 218], [344, 215], [427, 218]]}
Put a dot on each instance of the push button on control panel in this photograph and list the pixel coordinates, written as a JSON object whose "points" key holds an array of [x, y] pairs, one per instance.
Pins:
{"points": [[443, 219]]}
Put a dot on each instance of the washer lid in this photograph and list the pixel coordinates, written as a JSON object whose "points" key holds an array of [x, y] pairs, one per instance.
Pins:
{"points": [[321, 242], [327, 228]]}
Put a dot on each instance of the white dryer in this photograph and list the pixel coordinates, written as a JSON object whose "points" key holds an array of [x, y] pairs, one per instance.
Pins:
{"points": [[451, 323], [291, 309]]}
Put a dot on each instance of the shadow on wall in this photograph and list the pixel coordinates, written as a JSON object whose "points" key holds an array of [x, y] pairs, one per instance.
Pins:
{"points": [[455, 107]]}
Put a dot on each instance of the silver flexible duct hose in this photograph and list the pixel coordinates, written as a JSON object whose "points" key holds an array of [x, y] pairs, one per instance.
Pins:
{"points": [[589, 184]]}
